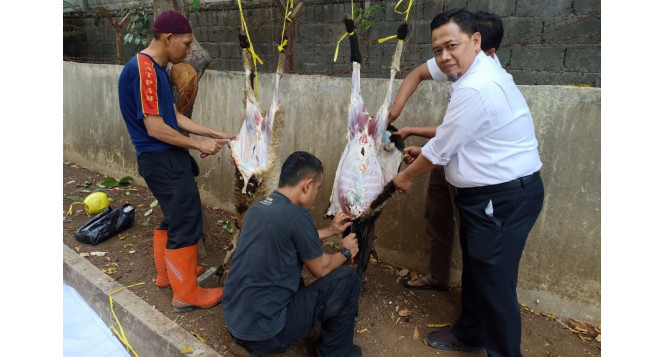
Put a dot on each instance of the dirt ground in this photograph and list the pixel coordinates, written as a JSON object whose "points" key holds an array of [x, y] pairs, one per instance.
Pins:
{"points": [[380, 330]]}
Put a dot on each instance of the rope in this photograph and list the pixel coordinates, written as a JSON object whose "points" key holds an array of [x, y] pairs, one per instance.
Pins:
{"points": [[352, 16], [284, 42], [254, 56], [87, 210], [336, 52], [121, 334], [407, 12]]}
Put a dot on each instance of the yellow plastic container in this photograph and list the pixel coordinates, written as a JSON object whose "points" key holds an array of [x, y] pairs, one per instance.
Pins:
{"points": [[94, 203]]}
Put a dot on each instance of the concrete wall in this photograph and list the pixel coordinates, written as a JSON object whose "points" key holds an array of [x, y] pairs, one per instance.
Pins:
{"points": [[545, 42], [561, 262]]}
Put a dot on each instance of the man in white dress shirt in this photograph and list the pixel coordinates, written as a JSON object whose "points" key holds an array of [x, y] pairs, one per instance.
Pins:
{"points": [[488, 147], [439, 211]]}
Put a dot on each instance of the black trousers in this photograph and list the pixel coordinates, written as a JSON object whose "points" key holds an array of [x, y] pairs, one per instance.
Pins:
{"points": [[441, 225], [330, 302], [494, 229], [170, 176]]}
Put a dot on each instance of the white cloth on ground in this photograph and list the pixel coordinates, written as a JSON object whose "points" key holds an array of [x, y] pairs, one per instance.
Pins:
{"points": [[84, 333]]}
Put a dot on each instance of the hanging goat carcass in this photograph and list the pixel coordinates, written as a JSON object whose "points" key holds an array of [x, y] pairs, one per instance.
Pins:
{"points": [[371, 158], [255, 149]]}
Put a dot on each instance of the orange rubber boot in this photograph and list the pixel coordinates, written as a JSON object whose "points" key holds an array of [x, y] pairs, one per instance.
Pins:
{"points": [[159, 247], [187, 295]]}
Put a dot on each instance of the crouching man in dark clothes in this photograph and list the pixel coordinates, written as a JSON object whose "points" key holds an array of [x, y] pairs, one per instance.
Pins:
{"points": [[266, 305]]}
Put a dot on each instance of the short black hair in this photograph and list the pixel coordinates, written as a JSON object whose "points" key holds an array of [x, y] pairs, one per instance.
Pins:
{"points": [[462, 17], [298, 166], [491, 29]]}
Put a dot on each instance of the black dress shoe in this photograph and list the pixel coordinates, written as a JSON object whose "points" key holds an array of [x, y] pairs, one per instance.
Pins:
{"points": [[446, 341]]}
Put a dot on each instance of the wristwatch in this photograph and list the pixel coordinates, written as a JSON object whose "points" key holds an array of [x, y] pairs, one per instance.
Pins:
{"points": [[346, 254]]}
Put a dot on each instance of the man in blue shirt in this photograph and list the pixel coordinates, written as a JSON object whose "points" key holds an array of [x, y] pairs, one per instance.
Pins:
{"points": [[154, 124], [267, 308]]}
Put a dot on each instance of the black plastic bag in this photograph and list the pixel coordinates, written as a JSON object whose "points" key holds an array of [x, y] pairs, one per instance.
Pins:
{"points": [[106, 224]]}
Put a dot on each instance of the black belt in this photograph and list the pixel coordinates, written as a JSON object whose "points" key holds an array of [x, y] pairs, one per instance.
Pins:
{"points": [[483, 190]]}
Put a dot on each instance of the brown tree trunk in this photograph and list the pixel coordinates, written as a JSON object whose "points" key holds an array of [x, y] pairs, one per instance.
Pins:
{"points": [[199, 59], [184, 81]]}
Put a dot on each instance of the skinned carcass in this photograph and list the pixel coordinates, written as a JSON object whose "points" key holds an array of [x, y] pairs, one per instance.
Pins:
{"points": [[371, 157], [255, 149]]}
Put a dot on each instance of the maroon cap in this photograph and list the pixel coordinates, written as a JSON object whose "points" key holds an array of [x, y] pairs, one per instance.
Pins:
{"points": [[171, 21]]}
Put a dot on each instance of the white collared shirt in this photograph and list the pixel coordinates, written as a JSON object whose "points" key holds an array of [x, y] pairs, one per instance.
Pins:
{"points": [[487, 135]]}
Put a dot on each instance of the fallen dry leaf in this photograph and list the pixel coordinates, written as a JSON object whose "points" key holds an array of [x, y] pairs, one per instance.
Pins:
{"points": [[404, 272], [128, 245], [362, 330], [198, 336], [187, 350], [84, 254], [598, 338], [416, 334], [583, 327], [439, 325], [404, 313], [98, 254], [78, 249]]}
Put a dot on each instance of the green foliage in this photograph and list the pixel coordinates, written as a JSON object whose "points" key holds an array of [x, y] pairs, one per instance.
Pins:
{"points": [[85, 184], [197, 8], [112, 182], [364, 17], [138, 28], [68, 5], [227, 225]]}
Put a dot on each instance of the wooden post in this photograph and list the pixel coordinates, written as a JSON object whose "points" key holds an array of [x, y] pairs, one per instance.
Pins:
{"points": [[292, 34], [118, 31]]}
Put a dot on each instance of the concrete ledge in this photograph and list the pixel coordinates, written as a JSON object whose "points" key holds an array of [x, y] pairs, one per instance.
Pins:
{"points": [[148, 331]]}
